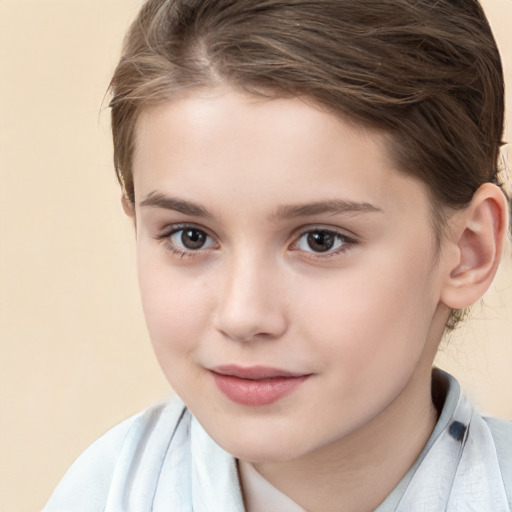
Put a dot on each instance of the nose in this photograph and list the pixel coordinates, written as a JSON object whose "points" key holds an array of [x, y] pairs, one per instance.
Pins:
{"points": [[251, 301]]}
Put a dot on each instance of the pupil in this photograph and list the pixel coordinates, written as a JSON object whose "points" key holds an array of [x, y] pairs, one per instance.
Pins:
{"points": [[193, 238], [320, 241]]}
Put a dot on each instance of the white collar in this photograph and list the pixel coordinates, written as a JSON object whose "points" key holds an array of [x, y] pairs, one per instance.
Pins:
{"points": [[260, 495]]}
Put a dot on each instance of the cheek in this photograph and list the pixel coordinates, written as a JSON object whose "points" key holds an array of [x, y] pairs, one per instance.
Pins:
{"points": [[373, 317], [176, 307], [370, 341]]}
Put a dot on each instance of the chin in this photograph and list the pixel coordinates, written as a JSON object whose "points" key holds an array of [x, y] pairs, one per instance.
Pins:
{"points": [[260, 448], [263, 454]]}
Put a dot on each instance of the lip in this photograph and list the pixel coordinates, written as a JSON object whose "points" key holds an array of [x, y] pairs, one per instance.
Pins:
{"points": [[255, 385]]}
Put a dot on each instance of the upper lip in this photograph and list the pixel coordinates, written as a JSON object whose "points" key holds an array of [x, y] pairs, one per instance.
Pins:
{"points": [[254, 372]]}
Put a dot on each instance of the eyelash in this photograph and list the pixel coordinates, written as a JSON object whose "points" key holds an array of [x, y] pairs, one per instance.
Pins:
{"points": [[347, 242]]}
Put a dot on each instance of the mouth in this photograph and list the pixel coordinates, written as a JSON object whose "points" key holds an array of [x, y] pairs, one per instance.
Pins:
{"points": [[255, 385]]}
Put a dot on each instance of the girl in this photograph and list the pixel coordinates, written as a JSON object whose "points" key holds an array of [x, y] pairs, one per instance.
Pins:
{"points": [[316, 198]]}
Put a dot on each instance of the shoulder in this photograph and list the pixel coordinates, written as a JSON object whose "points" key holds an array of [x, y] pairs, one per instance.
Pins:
{"points": [[501, 431], [86, 484]]}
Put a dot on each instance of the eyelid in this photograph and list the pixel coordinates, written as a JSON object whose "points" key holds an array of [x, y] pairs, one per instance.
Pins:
{"points": [[325, 227], [170, 229]]}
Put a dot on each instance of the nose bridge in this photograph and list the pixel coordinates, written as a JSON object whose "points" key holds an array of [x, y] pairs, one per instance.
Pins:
{"points": [[250, 301]]}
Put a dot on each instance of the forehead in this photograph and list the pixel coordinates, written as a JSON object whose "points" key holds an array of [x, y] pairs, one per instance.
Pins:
{"points": [[215, 144]]}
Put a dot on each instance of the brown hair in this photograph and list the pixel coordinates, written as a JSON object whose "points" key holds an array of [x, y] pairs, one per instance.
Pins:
{"points": [[427, 72]]}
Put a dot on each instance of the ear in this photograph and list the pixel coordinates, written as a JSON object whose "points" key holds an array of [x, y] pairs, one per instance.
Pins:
{"points": [[128, 207], [478, 236]]}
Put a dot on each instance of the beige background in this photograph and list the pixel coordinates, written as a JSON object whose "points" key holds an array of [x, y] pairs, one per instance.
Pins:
{"points": [[74, 354]]}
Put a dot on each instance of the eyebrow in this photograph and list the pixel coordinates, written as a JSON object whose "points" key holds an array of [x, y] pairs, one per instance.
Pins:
{"points": [[332, 206], [158, 200]]}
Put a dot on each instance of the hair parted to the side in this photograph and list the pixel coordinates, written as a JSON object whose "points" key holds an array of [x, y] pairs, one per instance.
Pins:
{"points": [[426, 72]]}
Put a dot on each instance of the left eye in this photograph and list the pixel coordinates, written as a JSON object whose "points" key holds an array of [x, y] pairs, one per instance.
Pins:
{"points": [[190, 239], [321, 240]]}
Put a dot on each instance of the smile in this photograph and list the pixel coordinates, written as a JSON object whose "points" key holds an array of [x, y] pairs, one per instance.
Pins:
{"points": [[257, 385]]}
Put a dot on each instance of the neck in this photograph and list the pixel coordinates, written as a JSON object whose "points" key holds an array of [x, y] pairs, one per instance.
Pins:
{"points": [[356, 473]]}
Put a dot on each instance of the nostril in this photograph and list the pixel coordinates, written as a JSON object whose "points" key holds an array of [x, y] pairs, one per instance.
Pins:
{"points": [[243, 329], [246, 335]]}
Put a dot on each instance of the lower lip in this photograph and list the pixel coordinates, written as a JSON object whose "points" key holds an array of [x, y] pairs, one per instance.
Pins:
{"points": [[256, 392]]}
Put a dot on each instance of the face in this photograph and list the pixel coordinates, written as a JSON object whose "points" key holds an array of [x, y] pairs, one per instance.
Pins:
{"points": [[287, 269]]}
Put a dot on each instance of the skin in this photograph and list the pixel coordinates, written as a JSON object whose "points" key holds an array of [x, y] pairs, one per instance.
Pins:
{"points": [[363, 320]]}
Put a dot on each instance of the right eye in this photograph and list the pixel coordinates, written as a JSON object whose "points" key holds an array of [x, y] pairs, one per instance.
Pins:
{"points": [[190, 239], [185, 240]]}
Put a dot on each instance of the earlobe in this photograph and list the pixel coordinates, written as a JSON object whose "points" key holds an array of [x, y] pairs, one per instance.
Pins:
{"points": [[479, 235]]}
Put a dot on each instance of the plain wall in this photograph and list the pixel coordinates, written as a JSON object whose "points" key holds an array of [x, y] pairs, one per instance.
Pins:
{"points": [[74, 354]]}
